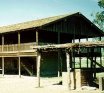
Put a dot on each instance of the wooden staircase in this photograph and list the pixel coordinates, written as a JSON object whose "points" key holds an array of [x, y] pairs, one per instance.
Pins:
{"points": [[28, 65], [27, 69]]}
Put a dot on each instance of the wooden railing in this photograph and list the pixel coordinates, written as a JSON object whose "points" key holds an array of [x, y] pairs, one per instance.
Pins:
{"points": [[16, 47], [21, 47]]}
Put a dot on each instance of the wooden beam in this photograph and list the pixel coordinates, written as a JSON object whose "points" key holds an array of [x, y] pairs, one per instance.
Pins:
{"points": [[97, 63], [38, 68], [3, 66], [68, 69], [70, 45]]}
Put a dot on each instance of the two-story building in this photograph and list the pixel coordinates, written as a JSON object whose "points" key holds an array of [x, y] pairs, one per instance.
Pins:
{"points": [[16, 54]]}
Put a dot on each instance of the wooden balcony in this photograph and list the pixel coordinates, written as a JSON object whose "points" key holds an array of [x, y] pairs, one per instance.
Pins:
{"points": [[14, 50]]}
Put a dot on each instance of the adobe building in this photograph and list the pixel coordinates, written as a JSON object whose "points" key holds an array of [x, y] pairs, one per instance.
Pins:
{"points": [[18, 57]]}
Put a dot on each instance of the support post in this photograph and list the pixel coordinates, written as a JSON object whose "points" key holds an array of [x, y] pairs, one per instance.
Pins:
{"points": [[68, 69], [59, 64], [59, 57], [19, 60], [19, 66], [19, 39], [37, 41], [101, 83], [38, 68], [87, 57], [2, 42], [80, 56], [2, 57], [95, 68], [87, 52], [100, 52], [3, 66]]}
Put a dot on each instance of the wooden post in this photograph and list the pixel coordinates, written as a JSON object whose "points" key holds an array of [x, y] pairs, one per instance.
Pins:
{"points": [[3, 66], [19, 40], [92, 52], [80, 55], [38, 59], [37, 41], [68, 68], [100, 53], [87, 57], [87, 52], [19, 60], [73, 58], [19, 66], [59, 73], [2, 57], [59, 55], [38, 67], [2, 42], [101, 83], [73, 53], [95, 68]]}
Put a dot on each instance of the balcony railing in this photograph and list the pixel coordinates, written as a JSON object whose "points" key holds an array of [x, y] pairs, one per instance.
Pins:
{"points": [[16, 47]]}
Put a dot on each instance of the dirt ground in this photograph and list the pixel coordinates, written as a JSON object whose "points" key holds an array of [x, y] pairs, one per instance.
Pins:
{"points": [[27, 84]]}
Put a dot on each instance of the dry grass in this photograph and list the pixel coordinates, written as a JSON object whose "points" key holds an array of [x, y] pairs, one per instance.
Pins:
{"points": [[25, 84]]}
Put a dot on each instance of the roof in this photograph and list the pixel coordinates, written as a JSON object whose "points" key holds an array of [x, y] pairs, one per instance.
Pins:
{"points": [[30, 24], [42, 22]]}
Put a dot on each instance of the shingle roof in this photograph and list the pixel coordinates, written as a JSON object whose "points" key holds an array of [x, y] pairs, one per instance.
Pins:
{"points": [[31, 24]]}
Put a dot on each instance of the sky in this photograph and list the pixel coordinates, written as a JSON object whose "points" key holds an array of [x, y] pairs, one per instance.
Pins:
{"points": [[17, 11]]}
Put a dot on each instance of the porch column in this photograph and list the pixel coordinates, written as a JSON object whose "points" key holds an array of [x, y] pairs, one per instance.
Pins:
{"points": [[2, 57], [19, 62], [68, 68], [38, 68]]}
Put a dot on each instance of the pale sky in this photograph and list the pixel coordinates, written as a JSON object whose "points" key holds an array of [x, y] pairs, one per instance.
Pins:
{"points": [[17, 11]]}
